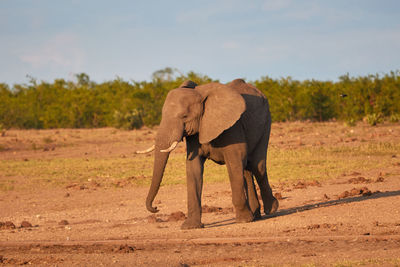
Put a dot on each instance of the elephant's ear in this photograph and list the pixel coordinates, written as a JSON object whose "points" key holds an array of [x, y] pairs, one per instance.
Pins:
{"points": [[223, 106]]}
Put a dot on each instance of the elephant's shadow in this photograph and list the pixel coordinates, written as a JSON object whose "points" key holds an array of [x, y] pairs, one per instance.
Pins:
{"points": [[318, 205]]}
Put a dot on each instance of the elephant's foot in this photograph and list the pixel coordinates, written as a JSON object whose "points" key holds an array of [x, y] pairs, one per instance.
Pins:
{"points": [[191, 224], [244, 216], [272, 206], [257, 214]]}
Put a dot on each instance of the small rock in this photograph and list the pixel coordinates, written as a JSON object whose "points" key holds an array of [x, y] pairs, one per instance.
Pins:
{"points": [[300, 185], [278, 196], [63, 222], [309, 255], [26, 224], [344, 194], [313, 226], [364, 191], [7, 225], [176, 216], [124, 249], [367, 193], [355, 192]]}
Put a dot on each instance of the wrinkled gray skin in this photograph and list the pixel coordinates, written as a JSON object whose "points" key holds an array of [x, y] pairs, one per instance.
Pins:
{"points": [[229, 124]]}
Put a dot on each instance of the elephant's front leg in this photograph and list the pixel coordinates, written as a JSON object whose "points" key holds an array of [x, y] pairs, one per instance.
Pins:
{"points": [[235, 161], [194, 180]]}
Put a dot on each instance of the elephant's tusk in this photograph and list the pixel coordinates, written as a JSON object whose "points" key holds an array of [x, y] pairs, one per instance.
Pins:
{"points": [[172, 147], [146, 151]]}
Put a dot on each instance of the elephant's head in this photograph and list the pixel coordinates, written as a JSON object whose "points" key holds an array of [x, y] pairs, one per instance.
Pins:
{"points": [[206, 110]]}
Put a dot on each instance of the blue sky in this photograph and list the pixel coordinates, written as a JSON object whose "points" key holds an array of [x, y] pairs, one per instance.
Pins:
{"points": [[224, 39]]}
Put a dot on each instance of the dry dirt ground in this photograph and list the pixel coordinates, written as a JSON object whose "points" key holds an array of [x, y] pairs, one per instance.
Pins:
{"points": [[352, 219]]}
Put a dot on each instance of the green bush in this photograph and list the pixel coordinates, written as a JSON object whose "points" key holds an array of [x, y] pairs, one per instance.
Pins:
{"points": [[118, 103], [373, 119], [129, 120], [394, 118]]}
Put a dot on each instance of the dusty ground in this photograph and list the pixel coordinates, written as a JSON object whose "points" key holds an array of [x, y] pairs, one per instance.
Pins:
{"points": [[352, 219]]}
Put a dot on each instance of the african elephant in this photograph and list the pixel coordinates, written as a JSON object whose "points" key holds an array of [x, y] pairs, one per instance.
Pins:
{"points": [[229, 124]]}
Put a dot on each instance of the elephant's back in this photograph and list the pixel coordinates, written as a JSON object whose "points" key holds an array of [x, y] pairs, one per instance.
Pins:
{"points": [[245, 88], [256, 120], [256, 101]]}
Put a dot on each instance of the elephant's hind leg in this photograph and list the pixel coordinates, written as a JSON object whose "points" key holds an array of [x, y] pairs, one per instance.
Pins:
{"points": [[251, 193], [271, 204], [259, 169]]}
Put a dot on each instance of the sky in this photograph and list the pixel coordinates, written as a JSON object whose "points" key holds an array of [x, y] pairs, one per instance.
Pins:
{"points": [[223, 39]]}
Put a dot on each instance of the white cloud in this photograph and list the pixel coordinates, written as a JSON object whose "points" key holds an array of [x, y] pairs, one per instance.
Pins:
{"points": [[62, 50]]}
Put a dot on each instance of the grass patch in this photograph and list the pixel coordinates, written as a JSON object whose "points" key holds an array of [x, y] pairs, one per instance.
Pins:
{"points": [[304, 163], [321, 163], [62, 172]]}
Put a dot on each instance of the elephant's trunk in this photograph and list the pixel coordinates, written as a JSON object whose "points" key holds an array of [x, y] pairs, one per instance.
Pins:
{"points": [[160, 161], [167, 139]]}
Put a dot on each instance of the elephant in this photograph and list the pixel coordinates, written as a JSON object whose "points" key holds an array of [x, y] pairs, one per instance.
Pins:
{"points": [[227, 123]]}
